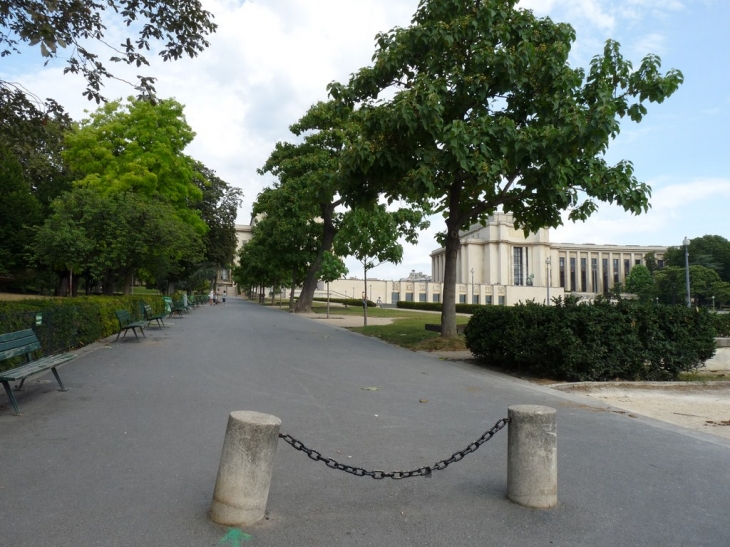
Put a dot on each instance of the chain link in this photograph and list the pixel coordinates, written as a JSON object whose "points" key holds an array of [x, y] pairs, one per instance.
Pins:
{"points": [[377, 474]]}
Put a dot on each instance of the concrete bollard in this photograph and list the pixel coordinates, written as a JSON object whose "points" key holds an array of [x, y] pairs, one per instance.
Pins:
{"points": [[244, 474], [532, 456]]}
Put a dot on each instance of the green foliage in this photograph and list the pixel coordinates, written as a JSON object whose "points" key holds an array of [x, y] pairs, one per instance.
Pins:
{"points": [[438, 306], [64, 28], [671, 286], [332, 268], [721, 322], [347, 301], [601, 341], [482, 110], [710, 251], [66, 323], [640, 282], [138, 148], [117, 233]]}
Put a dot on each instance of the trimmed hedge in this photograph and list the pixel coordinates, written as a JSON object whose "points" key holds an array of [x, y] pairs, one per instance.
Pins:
{"points": [[347, 301], [65, 323], [593, 342], [437, 306], [722, 324]]}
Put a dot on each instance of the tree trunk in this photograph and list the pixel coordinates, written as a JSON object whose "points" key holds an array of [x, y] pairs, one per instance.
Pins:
{"points": [[304, 304], [291, 292], [108, 283], [128, 277], [453, 222]]}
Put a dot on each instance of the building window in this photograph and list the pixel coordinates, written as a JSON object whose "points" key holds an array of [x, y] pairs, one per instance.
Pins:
{"points": [[605, 275], [572, 275], [409, 297], [394, 297], [437, 298], [475, 299], [462, 299], [518, 268], [583, 274], [637, 262], [488, 299], [501, 300], [660, 264], [422, 297], [224, 275], [615, 271], [594, 270], [627, 267], [562, 271]]}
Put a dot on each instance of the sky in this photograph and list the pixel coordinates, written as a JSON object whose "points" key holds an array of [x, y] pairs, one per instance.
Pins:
{"points": [[270, 60]]}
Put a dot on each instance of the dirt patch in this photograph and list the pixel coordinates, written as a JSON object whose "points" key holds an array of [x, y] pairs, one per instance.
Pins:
{"points": [[700, 406]]}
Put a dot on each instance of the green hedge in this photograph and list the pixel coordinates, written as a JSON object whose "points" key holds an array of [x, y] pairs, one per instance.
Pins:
{"points": [[65, 323], [593, 342], [722, 324], [437, 306], [347, 301]]}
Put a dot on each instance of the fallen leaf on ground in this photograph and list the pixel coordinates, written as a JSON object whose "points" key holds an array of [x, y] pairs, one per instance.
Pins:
{"points": [[371, 388], [422, 400]]}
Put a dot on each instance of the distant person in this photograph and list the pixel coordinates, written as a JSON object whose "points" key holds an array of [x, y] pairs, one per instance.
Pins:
{"points": [[211, 297], [225, 293], [380, 303]]}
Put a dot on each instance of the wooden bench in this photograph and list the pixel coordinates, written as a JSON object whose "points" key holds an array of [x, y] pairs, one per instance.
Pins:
{"points": [[126, 322], [24, 343], [150, 316]]}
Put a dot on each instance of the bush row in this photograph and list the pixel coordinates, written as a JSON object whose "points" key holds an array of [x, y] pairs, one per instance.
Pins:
{"points": [[722, 324], [593, 342], [437, 306], [347, 301], [65, 323]]}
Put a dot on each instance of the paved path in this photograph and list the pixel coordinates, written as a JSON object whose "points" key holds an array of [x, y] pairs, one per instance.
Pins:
{"points": [[128, 456]]}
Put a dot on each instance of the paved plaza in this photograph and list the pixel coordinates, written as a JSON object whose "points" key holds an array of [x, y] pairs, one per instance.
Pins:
{"points": [[129, 454]]}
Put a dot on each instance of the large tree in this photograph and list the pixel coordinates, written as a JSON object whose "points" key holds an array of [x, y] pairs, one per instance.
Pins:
{"points": [[138, 147], [711, 251], [72, 29], [310, 172], [475, 107]]}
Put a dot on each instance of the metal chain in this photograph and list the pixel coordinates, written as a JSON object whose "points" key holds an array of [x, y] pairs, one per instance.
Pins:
{"points": [[377, 474]]}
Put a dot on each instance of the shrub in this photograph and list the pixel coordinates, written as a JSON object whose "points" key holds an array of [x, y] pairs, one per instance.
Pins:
{"points": [[347, 301], [592, 342], [437, 306], [721, 321]]}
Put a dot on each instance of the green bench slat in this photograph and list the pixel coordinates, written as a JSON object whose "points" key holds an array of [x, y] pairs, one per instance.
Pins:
{"points": [[34, 367]]}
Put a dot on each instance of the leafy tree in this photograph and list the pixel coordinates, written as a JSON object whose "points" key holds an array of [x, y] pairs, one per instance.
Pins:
{"points": [[284, 240], [640, 282], [371, 236], [475, 107], [332, 268], [710, 251], [139, 148], [109, 237], [671, 287], [32, 132], [310, 171], [70, 28], [19, 209]]}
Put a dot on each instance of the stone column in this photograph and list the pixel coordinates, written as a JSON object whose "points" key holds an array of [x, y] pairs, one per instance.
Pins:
{"points": [[244, 474], [532, 456]]}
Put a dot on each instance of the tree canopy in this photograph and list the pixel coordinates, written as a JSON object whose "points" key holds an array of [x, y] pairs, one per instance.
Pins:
{"points": [[474, 107], [71, 28], [711, 251]]}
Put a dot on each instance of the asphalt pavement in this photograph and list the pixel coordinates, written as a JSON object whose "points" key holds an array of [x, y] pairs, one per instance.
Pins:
{"points": [[129, 454]]}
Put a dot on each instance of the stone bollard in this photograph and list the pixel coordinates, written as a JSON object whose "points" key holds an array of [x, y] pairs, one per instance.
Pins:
{"points": [[532, 456], [244, 474]]}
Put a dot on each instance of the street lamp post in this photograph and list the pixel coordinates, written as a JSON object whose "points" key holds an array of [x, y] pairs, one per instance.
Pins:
{"points": [[685, 242], [472, 286], [547, 264]]}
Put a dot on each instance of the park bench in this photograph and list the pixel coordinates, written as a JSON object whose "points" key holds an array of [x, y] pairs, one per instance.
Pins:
{"points": [[126, 322], [149, 315], [24, 343]]}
